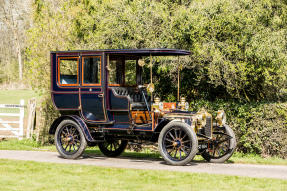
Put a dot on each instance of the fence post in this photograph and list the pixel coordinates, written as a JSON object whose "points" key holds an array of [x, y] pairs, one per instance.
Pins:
{"points": [[31, 117], [21, 120]]}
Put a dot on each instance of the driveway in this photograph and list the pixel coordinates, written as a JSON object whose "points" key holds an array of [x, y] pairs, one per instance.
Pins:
{"points": [[259, 171]]}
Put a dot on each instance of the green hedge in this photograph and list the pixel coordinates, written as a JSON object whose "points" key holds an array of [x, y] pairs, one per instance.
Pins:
{"points": [[260, 128], [238, 47]]}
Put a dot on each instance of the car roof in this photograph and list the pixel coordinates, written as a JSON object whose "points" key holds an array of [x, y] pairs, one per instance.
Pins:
{"points": [[134, 52]]}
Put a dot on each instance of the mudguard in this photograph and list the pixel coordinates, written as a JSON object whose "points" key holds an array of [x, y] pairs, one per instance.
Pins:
{"points": [[78, 120]]}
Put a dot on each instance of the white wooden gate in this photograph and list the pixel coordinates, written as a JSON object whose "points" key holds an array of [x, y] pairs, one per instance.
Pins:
{"points": [[10, 127]]}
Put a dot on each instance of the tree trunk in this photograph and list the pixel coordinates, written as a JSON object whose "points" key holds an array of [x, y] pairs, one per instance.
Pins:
{"points": [[12, 23], [19, 55]]}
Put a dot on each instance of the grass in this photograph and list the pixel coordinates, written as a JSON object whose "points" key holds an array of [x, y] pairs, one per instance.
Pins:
{"points": [[14, 96], [26, 144], [26, 175], [256, 159]]}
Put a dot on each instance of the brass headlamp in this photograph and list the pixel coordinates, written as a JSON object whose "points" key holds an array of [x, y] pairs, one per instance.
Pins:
{"points": [[199, 120], [157, 105], [183, 104], [220, 118]]}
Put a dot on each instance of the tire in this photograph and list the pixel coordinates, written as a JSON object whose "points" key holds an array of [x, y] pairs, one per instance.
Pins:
{"points": [[177, 138], [223, 150], [70, 140], [112, 147]]}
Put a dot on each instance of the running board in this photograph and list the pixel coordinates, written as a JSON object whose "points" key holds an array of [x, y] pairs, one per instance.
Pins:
{"points": [[102, 123]]}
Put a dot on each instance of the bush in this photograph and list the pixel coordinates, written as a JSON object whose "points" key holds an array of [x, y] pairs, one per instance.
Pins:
{"points": [[238, 47], [46, 114], [260, 128]]}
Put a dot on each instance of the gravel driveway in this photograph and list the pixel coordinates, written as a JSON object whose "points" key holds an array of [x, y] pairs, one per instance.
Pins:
{"points": [[268, 171]]}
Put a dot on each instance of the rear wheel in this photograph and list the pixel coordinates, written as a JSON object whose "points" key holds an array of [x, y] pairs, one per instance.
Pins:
{"points": [[112, 147], [222, 146], [70, 140], [177, 143]]}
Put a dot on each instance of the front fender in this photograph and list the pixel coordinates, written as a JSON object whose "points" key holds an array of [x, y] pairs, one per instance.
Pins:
{"points": [[78, 120]]}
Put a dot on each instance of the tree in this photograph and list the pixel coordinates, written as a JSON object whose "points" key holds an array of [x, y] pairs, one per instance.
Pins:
{"points": [[238, 47], [13, 18]]}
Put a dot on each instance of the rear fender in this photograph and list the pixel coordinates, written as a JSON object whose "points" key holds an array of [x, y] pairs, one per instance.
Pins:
{"points": [[78, 120]]}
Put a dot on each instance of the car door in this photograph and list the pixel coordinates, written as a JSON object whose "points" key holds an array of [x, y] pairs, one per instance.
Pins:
{"points": [[91, 91]]}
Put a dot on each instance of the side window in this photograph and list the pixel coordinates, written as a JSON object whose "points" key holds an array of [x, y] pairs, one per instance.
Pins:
{"points": [[116, 72], [91, 70], [68, 71], [113, 72]]}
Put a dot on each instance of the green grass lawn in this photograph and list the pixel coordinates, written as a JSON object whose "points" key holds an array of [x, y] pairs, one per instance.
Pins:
{"points": [[26, 175], [14, 96], [30, 145]]}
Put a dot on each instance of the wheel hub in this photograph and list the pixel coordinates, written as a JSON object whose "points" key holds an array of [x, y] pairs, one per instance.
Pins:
{"points": [[177, 143], [69, 139]]}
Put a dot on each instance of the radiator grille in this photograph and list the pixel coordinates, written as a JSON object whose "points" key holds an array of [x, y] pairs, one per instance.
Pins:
{"points": [[208, 126]]}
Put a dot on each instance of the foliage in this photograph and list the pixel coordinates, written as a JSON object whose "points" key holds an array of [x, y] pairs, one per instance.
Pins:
{"points": [[46, 114], [238, 47], [14, 20], [260, 128]]}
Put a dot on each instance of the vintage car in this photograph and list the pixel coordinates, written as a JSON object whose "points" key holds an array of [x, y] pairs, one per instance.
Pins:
{"points": [[104, 101]]}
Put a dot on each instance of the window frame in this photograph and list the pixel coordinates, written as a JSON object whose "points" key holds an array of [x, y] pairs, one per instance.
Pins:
{"points": [[100, 68], [59, 71]]}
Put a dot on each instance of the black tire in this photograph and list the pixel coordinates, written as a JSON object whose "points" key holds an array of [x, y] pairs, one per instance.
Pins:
{"points": [[177, 143], [223, 146], [70, 140], [112, 147]]}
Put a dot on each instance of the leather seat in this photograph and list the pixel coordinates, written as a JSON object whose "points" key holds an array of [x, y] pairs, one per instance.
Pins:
{"points": [[138, 106], [136, 98]]}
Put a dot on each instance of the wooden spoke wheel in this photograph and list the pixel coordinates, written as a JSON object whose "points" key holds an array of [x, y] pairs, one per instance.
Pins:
{"points": [[222, 146], [112, 147], [177, 143], [70, 140]]}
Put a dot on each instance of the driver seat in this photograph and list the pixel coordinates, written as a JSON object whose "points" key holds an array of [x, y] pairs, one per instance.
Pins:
{"points": [[135, 97]]}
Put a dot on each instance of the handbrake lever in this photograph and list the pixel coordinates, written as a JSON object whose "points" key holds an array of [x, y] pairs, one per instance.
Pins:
{"points": [[141, 87]]}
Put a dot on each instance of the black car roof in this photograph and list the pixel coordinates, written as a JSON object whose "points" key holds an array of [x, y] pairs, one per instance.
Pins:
{"points": [[138, 52]]}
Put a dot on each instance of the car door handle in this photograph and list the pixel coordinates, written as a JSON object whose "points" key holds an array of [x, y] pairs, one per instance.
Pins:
{"points": [[100, 95]]}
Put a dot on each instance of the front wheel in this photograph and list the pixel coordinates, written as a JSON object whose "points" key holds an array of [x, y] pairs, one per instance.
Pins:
{"points": [[70, 140], [222, 146], [177, 143]]}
